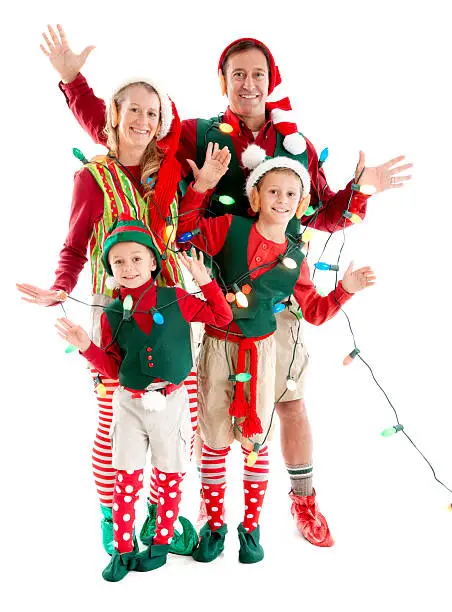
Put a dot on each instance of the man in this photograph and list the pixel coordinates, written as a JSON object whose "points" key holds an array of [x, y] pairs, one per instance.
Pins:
{"points": [[256, 114]]}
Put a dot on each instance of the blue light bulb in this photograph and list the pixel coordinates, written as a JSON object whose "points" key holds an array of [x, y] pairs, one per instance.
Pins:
{"points": [[323, 155], [186, 237], [158, 318], [278, 308], [322, 265]]}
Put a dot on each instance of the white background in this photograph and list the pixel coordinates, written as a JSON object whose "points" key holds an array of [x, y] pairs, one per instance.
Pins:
{"points": [[361, 75]]}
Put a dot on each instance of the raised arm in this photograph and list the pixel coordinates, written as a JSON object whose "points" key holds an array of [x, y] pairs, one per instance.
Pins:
{"points": [[379, 178], [85, 106]]}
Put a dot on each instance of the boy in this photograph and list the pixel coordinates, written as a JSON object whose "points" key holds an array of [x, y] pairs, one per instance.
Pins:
{"points": [[145, 335], [260, 266]]}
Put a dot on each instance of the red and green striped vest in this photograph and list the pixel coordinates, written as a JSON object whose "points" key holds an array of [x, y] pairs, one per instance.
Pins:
{"points": [[121, 196]]}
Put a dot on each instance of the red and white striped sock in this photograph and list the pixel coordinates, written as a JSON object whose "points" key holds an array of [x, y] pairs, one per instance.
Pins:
{"points": [[127, 488], [213, 483], [153, 494], [104, 472], [191, 384], [168, 505], [255, 480]]}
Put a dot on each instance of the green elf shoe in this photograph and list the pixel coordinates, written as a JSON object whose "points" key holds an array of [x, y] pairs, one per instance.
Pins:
{"points": [[151, 558], [250, 549], [182, 543], [211, 543], [107, 529], [121, 564], [148, 530]]}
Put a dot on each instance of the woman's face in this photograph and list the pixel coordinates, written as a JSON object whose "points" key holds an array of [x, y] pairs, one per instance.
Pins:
{"points": [[139, 118]]}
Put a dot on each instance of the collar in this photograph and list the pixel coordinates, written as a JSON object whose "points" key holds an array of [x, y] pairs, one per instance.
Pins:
{"points": [[260, 237], [239, 125], [137, 292]]}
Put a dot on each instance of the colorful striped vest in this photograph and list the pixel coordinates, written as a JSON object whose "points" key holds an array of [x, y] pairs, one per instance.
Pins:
{"points": [[121, 196]]}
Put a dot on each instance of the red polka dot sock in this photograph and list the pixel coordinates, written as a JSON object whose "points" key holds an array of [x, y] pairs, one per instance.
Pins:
{"points": [[213, 483], [255, 480], [168, 505], [127, 488]]}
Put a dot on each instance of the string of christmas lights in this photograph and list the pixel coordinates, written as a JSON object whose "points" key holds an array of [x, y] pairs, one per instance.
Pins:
{"points": [[238, 294]]}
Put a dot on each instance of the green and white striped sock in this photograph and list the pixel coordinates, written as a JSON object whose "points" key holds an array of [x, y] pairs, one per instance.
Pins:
{"points": [[301, 478]]}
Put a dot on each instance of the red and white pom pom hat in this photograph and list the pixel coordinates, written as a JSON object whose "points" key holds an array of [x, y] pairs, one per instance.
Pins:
{"points": [[277, 103], [256, 159]]}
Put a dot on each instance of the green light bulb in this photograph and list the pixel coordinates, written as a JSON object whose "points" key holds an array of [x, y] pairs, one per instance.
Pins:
{"points": [[79, 155], [70, 349], [226, 200], [243, 377], [388, 432], [391, 431], [309, 211]]}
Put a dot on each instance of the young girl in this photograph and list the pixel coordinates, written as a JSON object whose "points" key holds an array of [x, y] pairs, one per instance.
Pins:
{"points": [[138, 177], [145, 340], [260, 267]]}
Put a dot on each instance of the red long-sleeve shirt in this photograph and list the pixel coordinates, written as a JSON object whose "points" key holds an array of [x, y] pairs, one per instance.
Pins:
{"points": [[316, 308], [215, 311], [86, 210], [90, 113]]}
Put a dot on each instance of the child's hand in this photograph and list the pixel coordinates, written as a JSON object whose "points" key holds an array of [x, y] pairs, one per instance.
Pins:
{"points": [[355, 280], [196, 266], [43, 297], [215, 166], [74, 334]]}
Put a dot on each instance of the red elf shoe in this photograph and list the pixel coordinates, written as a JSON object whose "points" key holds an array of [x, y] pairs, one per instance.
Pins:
{"points": [[310, 522]]}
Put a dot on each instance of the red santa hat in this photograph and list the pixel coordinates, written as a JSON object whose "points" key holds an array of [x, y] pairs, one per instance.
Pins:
{"points": [[277, 104]]}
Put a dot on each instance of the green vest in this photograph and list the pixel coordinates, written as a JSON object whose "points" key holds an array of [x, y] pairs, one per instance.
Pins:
{"points": [[233, 182], [121, 196], [170, 356], [271, 287]]}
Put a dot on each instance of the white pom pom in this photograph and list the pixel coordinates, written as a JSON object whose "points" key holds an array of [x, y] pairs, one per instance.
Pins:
{"points": [[294, 143], [111, 283], [253, 156]]}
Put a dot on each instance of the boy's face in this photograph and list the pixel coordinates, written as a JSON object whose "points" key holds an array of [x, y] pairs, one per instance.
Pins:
{"points": [[247, 82], [280, 194], [132, 264]]}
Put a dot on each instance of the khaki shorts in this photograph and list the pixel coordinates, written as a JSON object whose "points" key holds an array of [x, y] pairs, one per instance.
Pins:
{"points": [[166, 431], [292, 358], [215, 391]]}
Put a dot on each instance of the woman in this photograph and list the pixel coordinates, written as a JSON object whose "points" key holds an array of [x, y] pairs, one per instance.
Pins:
{"points": [[138, 177]]}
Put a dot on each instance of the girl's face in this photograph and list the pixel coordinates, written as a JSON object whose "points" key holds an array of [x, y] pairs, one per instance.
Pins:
{"points": [[139, 118], [132, 264]]}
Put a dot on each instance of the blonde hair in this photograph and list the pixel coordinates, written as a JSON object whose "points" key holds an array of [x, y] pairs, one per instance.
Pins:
{"points": [[152, 157]]}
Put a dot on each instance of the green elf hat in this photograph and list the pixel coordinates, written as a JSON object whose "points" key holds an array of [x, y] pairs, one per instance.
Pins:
{"points": [[128, 229]]}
